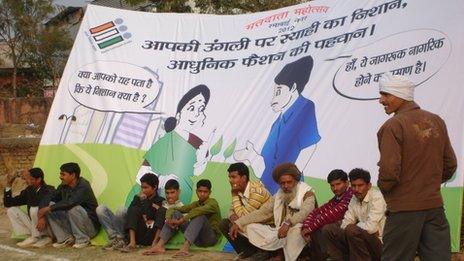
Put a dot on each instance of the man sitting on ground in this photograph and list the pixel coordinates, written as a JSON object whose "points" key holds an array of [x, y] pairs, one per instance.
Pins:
{"points": [[172, 193], [329, 213], [359, 235], [70, 210], [289, 206], [22, 223], [114, 223], [145, 216], [247, 196], [200, 225]]}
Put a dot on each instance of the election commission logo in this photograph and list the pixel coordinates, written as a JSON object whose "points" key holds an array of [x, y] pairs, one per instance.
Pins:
{"points": [[110, 33]]}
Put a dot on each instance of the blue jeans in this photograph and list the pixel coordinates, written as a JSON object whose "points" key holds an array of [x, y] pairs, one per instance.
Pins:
{"points": [[113, 223], [74, 222]]}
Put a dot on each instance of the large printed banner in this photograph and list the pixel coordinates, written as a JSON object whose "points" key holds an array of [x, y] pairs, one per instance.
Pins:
{"points": [[185, 95]]}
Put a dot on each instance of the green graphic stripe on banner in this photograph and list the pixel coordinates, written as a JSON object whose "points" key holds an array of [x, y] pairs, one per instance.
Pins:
{"points": [[453, 208], [121, 165], [110, 42], [99, 175]]}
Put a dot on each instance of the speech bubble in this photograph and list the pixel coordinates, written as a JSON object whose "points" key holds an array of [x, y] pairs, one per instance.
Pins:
{"points": [[416, 54], [115, 86]]}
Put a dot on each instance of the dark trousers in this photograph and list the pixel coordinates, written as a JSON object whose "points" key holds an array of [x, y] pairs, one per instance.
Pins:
{"points": [[351, 243], [317, 246], [241, 243], [143, 235], [197, 231], [425, 231]]}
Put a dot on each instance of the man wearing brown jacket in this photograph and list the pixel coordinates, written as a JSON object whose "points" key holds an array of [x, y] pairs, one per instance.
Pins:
{"points": [[415, 158]]}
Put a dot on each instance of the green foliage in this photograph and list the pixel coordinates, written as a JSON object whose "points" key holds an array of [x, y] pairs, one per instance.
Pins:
{"points": [[241, 6], [29, 43], [230, 149], [216, 148], [166, 6], [48, 52], [217, 6]]}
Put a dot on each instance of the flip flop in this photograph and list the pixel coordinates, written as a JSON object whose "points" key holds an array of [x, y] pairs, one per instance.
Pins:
{"points": [[181, 254]]}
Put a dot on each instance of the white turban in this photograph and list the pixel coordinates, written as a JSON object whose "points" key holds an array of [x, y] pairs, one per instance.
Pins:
{"points": [[397, 85]]}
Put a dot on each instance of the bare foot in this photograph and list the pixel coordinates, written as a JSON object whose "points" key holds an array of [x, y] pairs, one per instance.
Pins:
{"points": [[153, 251], [182, 253], [307, 237], [129, 248]]}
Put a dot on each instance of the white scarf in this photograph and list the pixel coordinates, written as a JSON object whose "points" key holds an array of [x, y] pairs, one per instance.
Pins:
{"points": [[301, 189], [266, 237], [397, 85]]}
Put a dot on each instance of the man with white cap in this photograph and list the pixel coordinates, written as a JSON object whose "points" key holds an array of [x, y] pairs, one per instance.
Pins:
{"points": [[415, 158]]}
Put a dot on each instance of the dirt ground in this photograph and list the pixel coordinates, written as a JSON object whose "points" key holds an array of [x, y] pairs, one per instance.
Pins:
{"points": [[9, 251]]}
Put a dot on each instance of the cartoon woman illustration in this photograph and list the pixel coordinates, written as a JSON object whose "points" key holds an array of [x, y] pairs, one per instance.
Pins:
{"points": [[179, 151]]}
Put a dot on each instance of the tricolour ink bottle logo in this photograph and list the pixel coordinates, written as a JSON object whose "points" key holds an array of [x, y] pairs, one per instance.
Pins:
{"points": [[110, 33]]}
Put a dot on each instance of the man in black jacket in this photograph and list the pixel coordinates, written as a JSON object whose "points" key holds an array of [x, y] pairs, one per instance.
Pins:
{"points": [[145, 215], [22, 223], [70, 210]]}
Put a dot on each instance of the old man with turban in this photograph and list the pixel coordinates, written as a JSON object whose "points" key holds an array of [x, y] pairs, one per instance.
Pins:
{"points": [[288, 208]]}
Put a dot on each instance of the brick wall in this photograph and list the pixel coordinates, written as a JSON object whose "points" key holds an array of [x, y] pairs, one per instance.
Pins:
{"points": [[25, 110], [16, 154]]}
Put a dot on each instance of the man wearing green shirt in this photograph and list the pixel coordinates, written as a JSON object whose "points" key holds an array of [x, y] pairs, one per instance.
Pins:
{"points": [[200, 224]]}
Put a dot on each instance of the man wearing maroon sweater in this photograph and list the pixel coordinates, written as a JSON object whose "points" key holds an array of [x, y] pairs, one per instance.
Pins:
{"points": [[330, 212]]}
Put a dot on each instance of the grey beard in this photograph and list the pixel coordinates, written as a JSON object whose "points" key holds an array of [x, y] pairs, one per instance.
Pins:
{"points": [[288, 197]]}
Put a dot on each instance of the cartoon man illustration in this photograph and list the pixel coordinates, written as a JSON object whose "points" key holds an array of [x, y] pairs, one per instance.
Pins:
{"points": [[294, 130]]}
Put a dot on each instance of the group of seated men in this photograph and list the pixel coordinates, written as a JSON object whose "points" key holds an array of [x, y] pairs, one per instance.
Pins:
{"points": [[67, 211], [70, 213], [260, 226], [289, 225]]}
